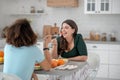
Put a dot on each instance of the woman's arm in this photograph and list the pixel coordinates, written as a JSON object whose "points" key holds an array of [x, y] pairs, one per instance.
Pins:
{"points": [[34, 76], [54, 49], [46, 63], [81, 48], [78, 58]]}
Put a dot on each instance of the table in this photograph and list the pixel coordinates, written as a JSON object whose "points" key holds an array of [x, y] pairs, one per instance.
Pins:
{"points": [[79, 73]]}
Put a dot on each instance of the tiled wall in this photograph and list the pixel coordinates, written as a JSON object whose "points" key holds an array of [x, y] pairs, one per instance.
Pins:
{"points": [[86, 23]]}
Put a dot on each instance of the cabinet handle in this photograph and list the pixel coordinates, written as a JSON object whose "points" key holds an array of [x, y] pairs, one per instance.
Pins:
{"points": [[98, 11], [94, 46]]}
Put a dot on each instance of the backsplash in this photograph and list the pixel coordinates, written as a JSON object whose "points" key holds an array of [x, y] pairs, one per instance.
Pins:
{"points": [[102, 23]]}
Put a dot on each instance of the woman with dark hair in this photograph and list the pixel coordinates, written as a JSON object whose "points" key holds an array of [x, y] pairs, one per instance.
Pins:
{"points": [[70, 44], [20, 52]]}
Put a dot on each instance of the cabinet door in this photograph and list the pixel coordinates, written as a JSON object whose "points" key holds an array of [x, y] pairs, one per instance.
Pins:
{"points": [[90, 6], [114, 54], [104, 6], [114, 57], [114, 71], [103, 71], [116, 6], [114, 61], [101, 50], [97, 6]]}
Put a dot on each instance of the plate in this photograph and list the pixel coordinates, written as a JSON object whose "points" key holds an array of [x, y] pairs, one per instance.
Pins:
{"points": [[66, 67], [58, 62]]}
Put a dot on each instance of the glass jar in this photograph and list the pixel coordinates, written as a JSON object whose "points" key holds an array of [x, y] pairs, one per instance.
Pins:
{"points": [[103, 37], [97, 36], [92, 35], [112, 37], [32, 9]]}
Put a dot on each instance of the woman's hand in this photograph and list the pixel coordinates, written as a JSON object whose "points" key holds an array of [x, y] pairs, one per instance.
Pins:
{"points": [[47, 40], [54, 51], [54, 42]]}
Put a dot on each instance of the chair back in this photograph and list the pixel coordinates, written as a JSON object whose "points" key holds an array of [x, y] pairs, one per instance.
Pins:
{"points": [[4, 76], [93, 60], [94, 63]]}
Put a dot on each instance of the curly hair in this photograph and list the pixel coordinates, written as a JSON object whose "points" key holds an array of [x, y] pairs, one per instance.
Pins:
{"points": [[20, 34]]}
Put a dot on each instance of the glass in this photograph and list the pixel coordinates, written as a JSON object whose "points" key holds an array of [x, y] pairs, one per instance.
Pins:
{"points": [[93, 0], [112, 37], [88, 1], [102, 6], [102, 1], [88, 6], [93, 6], [107, 7]]}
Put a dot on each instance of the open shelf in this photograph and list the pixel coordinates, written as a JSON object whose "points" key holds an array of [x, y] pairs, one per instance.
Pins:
{"points": [[28, 14]]}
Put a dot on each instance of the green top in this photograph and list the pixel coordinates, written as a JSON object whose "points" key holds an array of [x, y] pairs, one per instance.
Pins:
{"points": [[79, 48]]}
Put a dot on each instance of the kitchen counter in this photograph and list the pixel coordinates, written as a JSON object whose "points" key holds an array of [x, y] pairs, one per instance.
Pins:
{"points": [[102, 42], [94, 42]]}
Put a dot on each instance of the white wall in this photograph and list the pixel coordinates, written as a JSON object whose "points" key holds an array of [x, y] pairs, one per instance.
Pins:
{"points": [[101, 23]]}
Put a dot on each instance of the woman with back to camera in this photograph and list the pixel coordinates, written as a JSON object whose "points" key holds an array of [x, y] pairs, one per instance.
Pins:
{"points": [[69, 45], [20, 52]]}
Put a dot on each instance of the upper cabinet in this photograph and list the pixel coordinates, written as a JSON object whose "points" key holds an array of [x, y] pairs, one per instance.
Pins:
{"points": [[62, 3], [116, 7], [102, 6], [97, 6]]}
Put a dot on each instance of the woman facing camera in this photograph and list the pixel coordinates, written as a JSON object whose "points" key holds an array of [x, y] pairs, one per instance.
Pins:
{"points": [[69, 45]]}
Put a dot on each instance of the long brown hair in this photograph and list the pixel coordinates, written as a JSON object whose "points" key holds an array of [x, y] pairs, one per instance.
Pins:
{"points": [[63, 41], [20, 34]]}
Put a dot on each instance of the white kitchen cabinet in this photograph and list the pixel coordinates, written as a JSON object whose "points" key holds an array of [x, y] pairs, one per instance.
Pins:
{"points": [[114, 57], [116, 7], [114, 71], [109, 59], [102, 51], [103, 71], [114, 61], [97, 6]]}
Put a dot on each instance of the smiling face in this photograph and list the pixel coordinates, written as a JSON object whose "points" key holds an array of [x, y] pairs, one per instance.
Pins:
{"points": [[67, 31]]}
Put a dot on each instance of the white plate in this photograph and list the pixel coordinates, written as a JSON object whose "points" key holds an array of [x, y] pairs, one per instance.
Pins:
{"points": [[66, 67]]}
